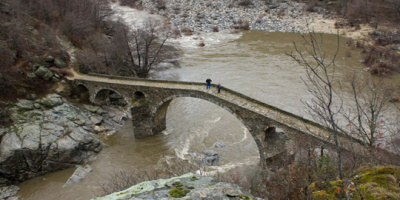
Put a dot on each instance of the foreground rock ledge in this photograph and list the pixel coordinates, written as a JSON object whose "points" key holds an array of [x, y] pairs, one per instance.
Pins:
{"points": [[187, 186]]}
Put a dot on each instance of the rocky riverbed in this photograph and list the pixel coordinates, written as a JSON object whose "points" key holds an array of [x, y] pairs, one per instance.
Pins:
{"points": [[50, 134], [197, 16]]}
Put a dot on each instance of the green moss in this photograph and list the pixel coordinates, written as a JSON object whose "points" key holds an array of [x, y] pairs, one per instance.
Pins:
{"points": [[377, 182], [323, 195], [177, 184], [178, 193], [369, 183], [190, 187], [194, 178], [121, 193]]}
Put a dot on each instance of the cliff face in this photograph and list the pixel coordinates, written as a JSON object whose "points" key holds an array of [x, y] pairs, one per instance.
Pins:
{"points": [[50, 134], [187, 186]]}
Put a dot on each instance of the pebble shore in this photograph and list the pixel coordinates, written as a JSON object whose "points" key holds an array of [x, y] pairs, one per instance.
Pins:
{"points": [[203, 16]]}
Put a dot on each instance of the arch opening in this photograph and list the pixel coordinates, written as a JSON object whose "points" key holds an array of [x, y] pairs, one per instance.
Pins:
{"points": [[139, 99], [81, 93], [109, 97], [195, 126], [138, 95]]}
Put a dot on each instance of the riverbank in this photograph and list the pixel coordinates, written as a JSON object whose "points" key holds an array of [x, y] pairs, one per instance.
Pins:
{"points": [[51, 133], [197, 17]]}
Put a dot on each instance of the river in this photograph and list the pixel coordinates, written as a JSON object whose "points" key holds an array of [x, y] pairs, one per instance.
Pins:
{"points": [[253, 63]]}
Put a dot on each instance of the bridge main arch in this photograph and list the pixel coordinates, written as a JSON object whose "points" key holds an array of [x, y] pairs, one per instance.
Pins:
{"points": [[269, 141], [159, 112]]}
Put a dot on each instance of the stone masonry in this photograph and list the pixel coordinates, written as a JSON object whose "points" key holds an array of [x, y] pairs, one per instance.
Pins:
{"points": [[275, 131]]}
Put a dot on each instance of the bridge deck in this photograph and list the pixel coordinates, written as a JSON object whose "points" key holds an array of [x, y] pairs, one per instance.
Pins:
{"points": [[289, 119]]}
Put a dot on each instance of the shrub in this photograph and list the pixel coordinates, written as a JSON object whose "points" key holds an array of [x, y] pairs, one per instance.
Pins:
{"points": [[384, 37]]}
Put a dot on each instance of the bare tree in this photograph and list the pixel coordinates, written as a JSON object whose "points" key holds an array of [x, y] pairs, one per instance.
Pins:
{"points": [[145, 47], [365, 117], [362, 117], [326, 104]]}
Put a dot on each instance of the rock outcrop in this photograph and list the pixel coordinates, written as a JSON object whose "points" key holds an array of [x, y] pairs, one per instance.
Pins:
{"points": [[188, 186], [51, 134]]}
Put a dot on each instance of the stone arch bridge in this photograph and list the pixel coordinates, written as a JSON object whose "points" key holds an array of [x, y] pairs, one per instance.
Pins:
{"points": [[275, 131]]}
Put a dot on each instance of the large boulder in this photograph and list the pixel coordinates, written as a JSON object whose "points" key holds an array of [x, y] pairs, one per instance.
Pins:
{"points": [[44, 73], [52, 100], [47, 139], [24, 104], [60, 63], [49, 59], [187, 186]]}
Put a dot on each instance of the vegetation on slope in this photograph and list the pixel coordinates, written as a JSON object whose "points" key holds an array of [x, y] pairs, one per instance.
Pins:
{"points": [[381, 47], [372, 182]]}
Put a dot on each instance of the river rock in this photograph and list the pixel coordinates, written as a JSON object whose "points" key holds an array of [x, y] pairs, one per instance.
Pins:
{"points": [[44, 73], [25, 104], [96, 120], [91, 108], [31, 97], [52, 100], [49, 59], [79, 174], [60, 63], [193, 187], [101, 111], [8, 191]]}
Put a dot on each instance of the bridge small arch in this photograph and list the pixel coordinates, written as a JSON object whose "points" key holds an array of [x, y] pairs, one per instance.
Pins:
{"points": [[82, 93], [108, 96], [82, 88], [138, 99], [138, 95]]}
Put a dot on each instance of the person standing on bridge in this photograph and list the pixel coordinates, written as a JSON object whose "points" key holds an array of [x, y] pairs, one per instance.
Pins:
{"points": [[208, 81], [219, 87]]}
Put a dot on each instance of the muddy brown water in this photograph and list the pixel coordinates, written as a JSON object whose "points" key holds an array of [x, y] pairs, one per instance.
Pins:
{"points": [[254, 64]]}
